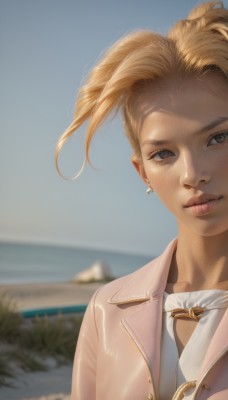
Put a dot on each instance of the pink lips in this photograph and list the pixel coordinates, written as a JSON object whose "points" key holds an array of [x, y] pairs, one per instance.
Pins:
{"points": [[203, 204]]}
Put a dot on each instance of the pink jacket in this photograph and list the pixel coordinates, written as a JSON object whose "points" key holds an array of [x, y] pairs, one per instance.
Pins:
{"points": [[118, 351]]}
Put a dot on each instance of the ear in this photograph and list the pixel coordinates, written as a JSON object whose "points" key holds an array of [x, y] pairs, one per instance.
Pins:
{"points": [[138, 164]]}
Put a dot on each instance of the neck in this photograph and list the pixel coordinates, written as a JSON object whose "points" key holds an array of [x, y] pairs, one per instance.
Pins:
{"points": [[200, 262]]}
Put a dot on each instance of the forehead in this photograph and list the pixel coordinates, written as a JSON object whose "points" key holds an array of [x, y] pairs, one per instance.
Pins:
{"points": [[198, 99]]}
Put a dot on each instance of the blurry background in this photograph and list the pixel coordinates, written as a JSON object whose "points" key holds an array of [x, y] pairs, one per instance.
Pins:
{"points": [[47, 48]]}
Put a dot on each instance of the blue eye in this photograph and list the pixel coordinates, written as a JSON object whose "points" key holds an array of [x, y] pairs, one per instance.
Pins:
{"points": [[219, 138], [161, 155]]}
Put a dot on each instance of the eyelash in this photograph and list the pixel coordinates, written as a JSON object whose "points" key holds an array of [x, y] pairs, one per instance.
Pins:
{"points": [[158, 152], [223, 134]]}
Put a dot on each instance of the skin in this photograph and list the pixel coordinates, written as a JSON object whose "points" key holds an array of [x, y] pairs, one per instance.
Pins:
{"points": [[191, 161]]}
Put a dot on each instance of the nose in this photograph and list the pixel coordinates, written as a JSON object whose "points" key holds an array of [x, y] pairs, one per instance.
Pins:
{"points": [[193, 170]]}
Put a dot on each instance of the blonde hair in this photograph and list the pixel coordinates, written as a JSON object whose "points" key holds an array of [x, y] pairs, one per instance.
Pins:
{"points": [[193, 46]]}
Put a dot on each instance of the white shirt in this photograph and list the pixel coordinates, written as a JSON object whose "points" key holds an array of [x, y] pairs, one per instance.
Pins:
{"points": [[174, 370]]}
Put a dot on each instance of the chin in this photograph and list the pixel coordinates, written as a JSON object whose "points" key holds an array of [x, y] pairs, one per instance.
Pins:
{"points": [[208, 230], [205, 227]]}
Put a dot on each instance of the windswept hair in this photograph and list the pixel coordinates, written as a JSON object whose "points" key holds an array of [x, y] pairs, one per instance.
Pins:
{"points": [[193, 46]]}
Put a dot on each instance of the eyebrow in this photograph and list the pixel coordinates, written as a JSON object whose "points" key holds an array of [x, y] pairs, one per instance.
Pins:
{"points": [[211, 125]]}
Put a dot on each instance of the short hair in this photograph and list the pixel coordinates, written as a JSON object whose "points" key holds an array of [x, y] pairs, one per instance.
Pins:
{"points": [[193, 46]]}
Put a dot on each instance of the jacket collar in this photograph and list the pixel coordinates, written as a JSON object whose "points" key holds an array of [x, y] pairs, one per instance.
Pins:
{"points": [[147, 282], [218, 346], [217, 349], [146, 287]]}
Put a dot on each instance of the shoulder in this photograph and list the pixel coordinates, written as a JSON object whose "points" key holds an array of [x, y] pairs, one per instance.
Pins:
{"points": [[108, 290], [140, 284]]}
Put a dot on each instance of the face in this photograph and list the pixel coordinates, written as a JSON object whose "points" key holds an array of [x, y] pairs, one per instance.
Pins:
{"points": [[184, 151]]}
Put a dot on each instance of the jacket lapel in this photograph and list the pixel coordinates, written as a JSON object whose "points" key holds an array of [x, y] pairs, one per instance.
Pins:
{"points": [[144, 327], [217, 348], [144, 324]]}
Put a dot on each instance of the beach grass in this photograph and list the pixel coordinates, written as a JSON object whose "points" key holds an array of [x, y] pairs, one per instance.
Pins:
{"points": [[26, 361], [5, 371], [10, 320], [51, 336], [28, 344]]}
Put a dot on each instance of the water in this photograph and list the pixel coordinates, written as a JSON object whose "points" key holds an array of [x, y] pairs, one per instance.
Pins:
{"points": [[26, 263]]}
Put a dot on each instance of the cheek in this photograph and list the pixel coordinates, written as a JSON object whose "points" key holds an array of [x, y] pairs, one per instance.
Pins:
{"points": [[224, 163], [163, 179], [220, 165], [165, 185]]}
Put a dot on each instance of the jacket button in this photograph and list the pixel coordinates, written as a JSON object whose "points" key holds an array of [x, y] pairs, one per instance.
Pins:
{"points": [[150, 397]]}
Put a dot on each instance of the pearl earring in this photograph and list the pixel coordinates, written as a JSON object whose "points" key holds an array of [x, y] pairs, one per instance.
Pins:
{"points": [[149, 190]]}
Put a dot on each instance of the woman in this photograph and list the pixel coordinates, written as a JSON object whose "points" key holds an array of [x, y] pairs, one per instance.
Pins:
{"points": [[161, 332]]}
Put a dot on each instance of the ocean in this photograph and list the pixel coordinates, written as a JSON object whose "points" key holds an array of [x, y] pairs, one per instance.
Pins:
{"points": [[28, 263]]}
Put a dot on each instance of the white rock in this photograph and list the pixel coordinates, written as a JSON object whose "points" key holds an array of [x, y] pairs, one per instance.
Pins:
{"points": [[99, 271]]}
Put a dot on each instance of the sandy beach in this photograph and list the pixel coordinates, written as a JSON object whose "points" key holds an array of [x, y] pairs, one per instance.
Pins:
{"points": [[41, 295], [54, 384]]}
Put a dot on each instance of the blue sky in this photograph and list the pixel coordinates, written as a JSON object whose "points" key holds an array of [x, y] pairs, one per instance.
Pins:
{"points": [[47, 48]]}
